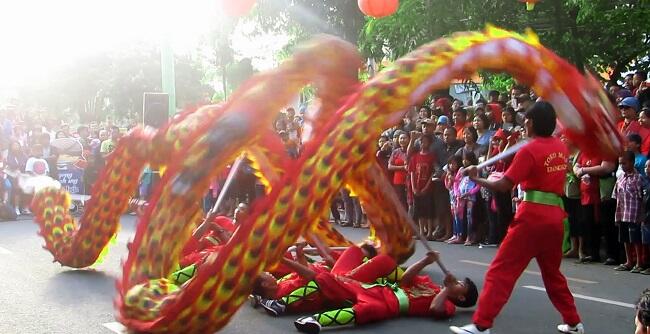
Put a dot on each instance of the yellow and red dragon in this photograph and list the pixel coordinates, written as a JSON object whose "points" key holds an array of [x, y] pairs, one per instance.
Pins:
{"points": [[194, 147]]}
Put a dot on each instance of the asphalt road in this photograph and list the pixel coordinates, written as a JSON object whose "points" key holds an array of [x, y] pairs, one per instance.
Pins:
{"points": [[38, 296]]}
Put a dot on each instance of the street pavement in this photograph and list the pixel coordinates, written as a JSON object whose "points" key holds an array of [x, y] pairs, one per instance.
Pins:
{"points": [[38, 296]]}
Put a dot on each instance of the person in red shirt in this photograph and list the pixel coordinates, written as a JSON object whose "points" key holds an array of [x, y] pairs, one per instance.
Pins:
{"points": [[416, 295], [537, 230], [644, 122], [460, 122], [629, 108], [209, 237], [397, 165], [590, 170], [421, 168]]}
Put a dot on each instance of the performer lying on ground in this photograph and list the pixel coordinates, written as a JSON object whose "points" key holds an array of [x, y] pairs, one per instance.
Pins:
{"points": [[300, 292], [416, 295]]}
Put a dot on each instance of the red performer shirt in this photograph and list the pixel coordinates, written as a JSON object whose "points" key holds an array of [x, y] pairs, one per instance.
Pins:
{"points": [[422, 167], [293, 282], [541, 165], [421, 294], [589, 188]]}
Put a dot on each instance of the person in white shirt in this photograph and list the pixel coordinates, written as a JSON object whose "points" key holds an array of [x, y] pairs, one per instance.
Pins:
{"points": [[36, 165]]}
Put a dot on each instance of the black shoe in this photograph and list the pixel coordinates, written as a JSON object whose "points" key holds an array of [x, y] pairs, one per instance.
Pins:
{"points": [[307, 325], [274, 307], [346, 223], [255, 301], [610, 262]]}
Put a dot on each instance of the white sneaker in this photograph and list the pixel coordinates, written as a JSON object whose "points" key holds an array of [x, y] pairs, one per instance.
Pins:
{"points": [[468, 329], [577, 329]]}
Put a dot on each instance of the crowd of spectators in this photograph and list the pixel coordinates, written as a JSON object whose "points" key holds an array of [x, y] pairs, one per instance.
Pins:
{"points": [[606, 200], [40, 147]]}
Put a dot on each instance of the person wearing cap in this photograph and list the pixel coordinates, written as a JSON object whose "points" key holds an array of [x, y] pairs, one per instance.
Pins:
{"points": [[629, 106], [441, 125], [539, 168]]}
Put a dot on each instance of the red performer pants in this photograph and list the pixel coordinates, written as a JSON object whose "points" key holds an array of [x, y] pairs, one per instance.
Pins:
{"points": [[370, 304], [536, 232]]}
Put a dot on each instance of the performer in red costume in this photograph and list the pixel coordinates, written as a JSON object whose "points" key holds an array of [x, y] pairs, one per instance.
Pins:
{"points": [[300, 291], [416, 295], [207, 238], [537, 230]]}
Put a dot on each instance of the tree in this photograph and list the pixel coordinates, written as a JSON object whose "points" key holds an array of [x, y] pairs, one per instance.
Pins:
{"points": [[306, 17], [112, 84], [607, 35]]}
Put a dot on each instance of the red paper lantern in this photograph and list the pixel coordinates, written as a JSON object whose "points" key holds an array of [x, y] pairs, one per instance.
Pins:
{"points": [[237, 8], [530, 4], [378, 8]]}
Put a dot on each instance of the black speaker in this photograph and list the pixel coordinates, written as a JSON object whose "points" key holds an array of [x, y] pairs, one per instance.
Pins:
{"points": [[155, 109]]}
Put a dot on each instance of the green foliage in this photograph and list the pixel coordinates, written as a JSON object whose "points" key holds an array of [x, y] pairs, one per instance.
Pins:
{"points": [[500, 82], [111, 84]]}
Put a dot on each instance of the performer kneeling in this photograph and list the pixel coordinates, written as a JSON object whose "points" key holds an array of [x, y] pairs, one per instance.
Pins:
{"points": [[415, 295]]}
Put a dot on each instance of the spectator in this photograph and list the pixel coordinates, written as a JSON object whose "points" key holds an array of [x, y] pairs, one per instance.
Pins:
{"points": [[36, 165], [108, 146], [451, 144], [571, 200], [628, 82], [471, 136], [460, 122], [466, 199], [493, 96], [590, 169], [84, 136], [60, 134], [638, 78], [494, 113], [482, 125], [629, 107], [644, 122], [441, 126], [421, 168], [629, 194], [50, 154], [16, 160], [634, 145], [500, 202], [523, 102], [452, 180], [508, 119], [385, 149], [397, 164]]}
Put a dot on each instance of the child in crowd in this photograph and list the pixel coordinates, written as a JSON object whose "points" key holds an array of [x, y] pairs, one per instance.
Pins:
{"points": [[451, 183], [421, 169], [467, 195], [36, 165], [634, 145], [628, 193]]}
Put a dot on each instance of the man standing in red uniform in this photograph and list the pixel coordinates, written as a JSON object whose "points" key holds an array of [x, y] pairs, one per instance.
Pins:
{"points": [[537, 230]]}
